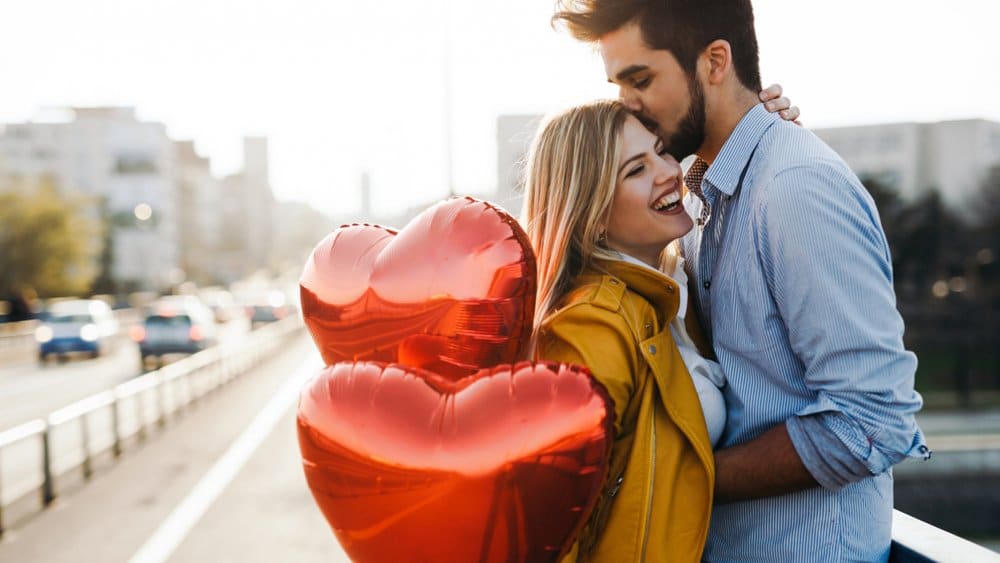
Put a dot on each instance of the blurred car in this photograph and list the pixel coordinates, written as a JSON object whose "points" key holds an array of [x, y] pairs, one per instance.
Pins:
{"points": [[268, 308], [221, 303], [76, 326], [175, 325]]}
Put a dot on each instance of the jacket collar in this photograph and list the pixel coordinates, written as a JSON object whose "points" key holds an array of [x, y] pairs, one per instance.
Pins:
{"points": [[657, 288]]}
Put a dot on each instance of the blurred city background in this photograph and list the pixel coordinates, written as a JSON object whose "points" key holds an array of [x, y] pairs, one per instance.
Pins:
{"points": [[166, 169]]}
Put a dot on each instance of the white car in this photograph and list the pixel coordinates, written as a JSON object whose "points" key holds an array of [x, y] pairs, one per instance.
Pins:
{"points": [[76, 326]]}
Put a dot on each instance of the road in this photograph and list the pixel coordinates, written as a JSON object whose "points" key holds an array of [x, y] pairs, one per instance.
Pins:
{"points": [[30, 390]]}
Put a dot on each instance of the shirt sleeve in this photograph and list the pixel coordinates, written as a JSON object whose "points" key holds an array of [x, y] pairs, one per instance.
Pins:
{"points": [[828, 267]]}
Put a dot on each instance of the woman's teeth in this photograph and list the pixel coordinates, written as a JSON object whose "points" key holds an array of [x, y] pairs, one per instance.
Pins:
{"points": [[667, 202]]}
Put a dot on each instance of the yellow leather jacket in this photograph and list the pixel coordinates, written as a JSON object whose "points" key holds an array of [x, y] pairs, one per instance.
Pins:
{"points": [[658, 497]]}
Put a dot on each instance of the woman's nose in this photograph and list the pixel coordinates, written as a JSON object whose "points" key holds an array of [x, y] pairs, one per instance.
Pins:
{"points": [[667, 168]]}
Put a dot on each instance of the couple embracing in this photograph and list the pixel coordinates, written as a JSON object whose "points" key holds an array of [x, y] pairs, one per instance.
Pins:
{"points": [[741, 316]]}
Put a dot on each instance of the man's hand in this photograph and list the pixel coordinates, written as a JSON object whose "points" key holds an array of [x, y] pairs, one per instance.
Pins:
{"points": [[764, 467], [775, 102]]}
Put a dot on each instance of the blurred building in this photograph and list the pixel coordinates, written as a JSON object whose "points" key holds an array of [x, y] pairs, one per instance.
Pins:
{"points": [[168, 218], [514, 135], [247, 206], [302, 228], [913, 158], [953, 157], [200, 220], [128, 168]]}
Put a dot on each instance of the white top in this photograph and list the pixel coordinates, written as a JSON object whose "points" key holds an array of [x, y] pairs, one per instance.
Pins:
{"points": [[707, 375]]}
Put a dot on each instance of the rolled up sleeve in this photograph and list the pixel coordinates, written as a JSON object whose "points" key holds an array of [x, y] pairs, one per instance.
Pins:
{"points": [[829, 269]]}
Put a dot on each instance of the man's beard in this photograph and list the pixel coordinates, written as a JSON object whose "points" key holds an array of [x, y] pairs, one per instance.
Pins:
{"points": [[690, 133]]}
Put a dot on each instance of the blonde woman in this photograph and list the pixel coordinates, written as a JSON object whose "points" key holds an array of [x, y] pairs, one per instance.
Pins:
{"points": [[602, 203]]}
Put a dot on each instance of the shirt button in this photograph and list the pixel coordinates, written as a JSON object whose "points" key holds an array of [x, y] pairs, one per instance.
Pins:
{"points": [[613, 281], [707, 284], [652, 349]]}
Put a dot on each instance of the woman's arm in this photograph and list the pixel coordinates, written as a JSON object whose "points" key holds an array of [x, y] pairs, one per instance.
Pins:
{"points": [[599, 340]]}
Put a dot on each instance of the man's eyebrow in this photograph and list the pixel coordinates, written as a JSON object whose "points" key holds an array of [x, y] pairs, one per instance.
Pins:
{"points": [[628, 71], [627, 162]]}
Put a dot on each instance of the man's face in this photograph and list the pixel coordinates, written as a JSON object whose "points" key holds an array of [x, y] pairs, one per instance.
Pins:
{"points": [[655, 87]]}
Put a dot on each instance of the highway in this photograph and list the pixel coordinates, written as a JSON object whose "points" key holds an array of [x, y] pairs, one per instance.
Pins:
{"points": [[223, 482], [29, 389]]}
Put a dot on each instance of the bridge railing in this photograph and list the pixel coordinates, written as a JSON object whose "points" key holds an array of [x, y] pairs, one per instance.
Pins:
{"points": [[916, 541], [37, 455]]}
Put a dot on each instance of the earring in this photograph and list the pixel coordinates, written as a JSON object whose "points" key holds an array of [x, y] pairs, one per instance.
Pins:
{"points": [[602, 238]]}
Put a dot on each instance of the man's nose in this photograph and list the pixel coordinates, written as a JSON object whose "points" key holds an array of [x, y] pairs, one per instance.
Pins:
{"points": [[629, 99]]}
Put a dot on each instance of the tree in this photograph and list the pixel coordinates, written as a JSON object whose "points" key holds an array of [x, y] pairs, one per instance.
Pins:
{"points": [[986, 212], [929, 240], [46, 243]]}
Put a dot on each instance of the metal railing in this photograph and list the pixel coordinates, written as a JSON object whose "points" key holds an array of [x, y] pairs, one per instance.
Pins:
{"points": [[34, 455]]}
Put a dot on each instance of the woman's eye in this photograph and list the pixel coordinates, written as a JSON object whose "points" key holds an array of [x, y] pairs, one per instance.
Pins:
{"points": [[634, 171], [641, 83]]}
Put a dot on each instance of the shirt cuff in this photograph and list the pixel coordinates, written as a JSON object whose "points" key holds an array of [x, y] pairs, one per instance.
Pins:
{"points": [[828, 459], [828, 446]]}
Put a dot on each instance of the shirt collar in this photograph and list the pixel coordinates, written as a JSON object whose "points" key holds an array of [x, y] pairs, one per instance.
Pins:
{"points": [[724, 173]]}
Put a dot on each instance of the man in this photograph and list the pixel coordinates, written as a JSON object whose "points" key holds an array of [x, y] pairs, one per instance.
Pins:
{"points": [[793, 286]]}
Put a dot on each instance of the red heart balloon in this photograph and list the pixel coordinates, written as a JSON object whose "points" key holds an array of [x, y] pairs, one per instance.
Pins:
{"points": [[452, 292], [407, 465]]}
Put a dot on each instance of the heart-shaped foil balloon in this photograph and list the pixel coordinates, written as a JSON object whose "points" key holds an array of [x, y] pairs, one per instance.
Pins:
{"points": [[407, 465], [452, 292]]}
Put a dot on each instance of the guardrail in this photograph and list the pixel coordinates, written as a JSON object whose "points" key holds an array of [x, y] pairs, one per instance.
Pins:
{"points": [[34, 455], [916, 541], [16, 336]]}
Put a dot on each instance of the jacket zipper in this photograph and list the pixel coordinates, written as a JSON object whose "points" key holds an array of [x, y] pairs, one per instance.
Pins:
{"points": [[652, 482]]}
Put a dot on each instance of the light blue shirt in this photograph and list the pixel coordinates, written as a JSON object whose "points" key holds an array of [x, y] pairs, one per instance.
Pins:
{"points": [[794, 287]]}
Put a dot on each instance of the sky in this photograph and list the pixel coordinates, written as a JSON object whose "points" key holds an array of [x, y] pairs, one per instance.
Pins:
{"points": [[346, 88]]}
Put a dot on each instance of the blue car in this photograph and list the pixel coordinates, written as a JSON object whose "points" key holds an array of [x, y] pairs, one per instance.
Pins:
{"points": [[77, 326]]}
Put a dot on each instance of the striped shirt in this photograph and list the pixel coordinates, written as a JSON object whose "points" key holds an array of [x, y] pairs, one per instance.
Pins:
{"points": [[793, 285]]}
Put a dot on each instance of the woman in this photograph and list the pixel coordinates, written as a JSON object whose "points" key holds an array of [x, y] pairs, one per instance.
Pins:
{"points": [[602, 202]]}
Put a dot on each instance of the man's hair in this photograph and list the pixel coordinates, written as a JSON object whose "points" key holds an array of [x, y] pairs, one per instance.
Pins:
{"points": [[683, 27]]}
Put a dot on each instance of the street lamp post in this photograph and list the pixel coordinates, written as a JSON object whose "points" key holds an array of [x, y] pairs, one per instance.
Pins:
{"points": [[143, 214]]}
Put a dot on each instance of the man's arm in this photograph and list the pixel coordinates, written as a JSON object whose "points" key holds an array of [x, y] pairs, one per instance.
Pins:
{"points": [[828, 268], [765, 467]]}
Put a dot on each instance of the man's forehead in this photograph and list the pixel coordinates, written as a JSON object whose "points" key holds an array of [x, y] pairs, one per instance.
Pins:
{"points": [[623, 49]]}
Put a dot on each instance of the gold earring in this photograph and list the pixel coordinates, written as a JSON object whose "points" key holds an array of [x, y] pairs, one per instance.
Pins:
{"points": [[602, 238]]}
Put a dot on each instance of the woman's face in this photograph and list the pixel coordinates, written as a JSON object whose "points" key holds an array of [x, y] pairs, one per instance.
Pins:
{"points": [[647, 212]]}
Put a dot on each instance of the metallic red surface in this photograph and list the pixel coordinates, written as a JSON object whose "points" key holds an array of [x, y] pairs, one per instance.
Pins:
{"points": [[408, 465], [452, 292]]}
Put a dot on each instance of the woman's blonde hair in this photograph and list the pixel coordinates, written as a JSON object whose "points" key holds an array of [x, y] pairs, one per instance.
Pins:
{"points": [[570, 182]]}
